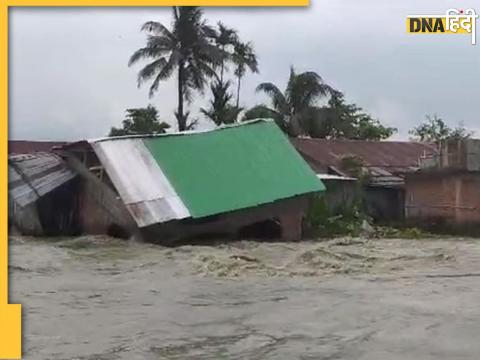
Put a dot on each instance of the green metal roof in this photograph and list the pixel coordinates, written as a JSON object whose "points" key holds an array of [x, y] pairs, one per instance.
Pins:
{"points": [[232, 168]]}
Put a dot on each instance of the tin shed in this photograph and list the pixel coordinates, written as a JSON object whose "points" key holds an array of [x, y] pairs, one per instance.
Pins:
{"points": [[386, 163], [41, 192], [183, 184]]}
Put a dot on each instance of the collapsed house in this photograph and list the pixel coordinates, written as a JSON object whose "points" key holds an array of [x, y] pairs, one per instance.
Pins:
{"points": [[380, 165], [41, 194], [444, 192], [172, 186]]}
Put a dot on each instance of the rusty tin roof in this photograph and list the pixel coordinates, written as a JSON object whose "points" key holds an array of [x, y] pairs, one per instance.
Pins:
{"points": [[386, 161], [27, 146]]}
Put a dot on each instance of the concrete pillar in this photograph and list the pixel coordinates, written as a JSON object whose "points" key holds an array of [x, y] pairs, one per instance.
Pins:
{"points": [[291, 226]]}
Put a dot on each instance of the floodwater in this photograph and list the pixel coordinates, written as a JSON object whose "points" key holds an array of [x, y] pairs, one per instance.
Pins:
{"points": [[107, 299]]}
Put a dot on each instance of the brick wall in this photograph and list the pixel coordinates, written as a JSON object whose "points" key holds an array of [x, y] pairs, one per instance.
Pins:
{"points": [[100, 208], [451, 198], [289, 213], [468, 210]]}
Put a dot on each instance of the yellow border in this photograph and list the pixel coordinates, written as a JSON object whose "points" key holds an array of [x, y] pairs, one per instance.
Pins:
{"points": [[10, 314]]}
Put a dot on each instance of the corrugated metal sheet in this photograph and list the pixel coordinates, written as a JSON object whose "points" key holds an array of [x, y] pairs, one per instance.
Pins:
{"points": [[26, 147], [386, 161], [233, 168], [31, 176], [140, 182], [399, 154], [335, 177], [176, 176], [19, 190]]}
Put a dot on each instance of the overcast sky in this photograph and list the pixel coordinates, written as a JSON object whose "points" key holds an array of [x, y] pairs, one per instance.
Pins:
{"points": [[69, 77]]}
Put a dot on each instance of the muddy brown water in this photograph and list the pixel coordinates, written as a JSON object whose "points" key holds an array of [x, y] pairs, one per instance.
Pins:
{"points": [[106, 299]]}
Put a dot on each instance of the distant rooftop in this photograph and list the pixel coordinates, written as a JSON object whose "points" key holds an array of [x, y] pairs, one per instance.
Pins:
{"points": [[27, 146], [386, 161]]}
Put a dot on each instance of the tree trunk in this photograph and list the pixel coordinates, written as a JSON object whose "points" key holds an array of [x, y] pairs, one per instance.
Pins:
{"points": [[222, 68], [180, 117], [238, 90], [294, 127]]}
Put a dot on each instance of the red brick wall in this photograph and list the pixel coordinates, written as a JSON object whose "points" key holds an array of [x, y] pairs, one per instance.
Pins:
{"points": [[469, 199], [452, 198]]}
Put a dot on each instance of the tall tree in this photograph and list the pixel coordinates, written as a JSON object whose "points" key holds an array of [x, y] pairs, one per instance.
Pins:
{"points": [[221, 111], [264, 112], [140, 121], [186, 48], [297, 103], [348, 121], [244, 58], [434, 129], [225, 38]]}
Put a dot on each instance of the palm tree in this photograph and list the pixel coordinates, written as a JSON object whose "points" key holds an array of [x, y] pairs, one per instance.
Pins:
{"points": [[264, 112], [297, 105], [225, 38], [221, 111], [187, 48], [243, 57]]}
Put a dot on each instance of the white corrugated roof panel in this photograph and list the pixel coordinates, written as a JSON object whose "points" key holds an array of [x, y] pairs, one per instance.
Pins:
{"points": [[335, 177], [33, 175], [140, 182]]}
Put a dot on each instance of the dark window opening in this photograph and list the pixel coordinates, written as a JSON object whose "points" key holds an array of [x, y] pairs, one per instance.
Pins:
{"points": [[268, 229]]}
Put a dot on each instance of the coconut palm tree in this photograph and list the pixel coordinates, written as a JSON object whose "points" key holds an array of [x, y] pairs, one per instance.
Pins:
{"points": [[244, 58], [220, 110], [225, 38], [297, 105], [186, 48]]}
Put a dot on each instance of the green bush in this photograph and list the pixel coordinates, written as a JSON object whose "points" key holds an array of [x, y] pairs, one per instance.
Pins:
{"points": [[323, 223]]}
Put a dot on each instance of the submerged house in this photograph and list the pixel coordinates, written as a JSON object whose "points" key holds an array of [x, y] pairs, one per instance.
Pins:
{"points": [[41, 192], [174, 186], [383, 165], [444, 192]]}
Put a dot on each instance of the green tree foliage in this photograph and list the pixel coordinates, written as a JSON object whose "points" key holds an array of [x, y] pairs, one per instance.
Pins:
{"points": [[297, 104], [434, 129], [188, 48], [353, 165], [296, 112], [221, 111], [348, 121], [139, 122], [258, 112], [264, 112]]}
